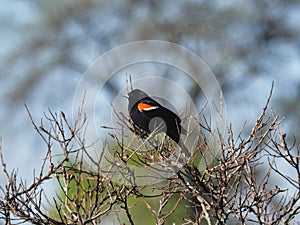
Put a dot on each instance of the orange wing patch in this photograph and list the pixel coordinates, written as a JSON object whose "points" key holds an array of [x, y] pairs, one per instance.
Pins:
{"points": [[146, 107]]}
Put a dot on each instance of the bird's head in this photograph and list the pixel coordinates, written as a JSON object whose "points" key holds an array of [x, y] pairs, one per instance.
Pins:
{"points": [[135, 96]]}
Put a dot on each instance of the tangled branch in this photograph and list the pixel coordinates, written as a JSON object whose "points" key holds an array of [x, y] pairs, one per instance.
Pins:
{"points": [[238, 186]]}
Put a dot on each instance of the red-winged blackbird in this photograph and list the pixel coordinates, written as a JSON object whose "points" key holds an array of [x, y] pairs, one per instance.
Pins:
{"points": [[149, 116]]}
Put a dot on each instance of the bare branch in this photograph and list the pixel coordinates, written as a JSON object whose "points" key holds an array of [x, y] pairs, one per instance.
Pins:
{"points": [[234, 186]]}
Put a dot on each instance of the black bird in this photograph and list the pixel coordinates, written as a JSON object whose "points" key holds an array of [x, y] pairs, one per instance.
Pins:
{"points": [[149, 116]]}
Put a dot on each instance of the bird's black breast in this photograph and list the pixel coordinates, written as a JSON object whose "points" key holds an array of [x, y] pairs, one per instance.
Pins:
{"points": [[140, 119]]}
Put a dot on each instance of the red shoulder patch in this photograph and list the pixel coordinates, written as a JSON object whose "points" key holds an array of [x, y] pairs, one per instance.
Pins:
{"points": [[146, 107]]}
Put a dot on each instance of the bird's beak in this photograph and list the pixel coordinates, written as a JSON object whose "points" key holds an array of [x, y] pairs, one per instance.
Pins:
{"points": [[125, 96]]}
